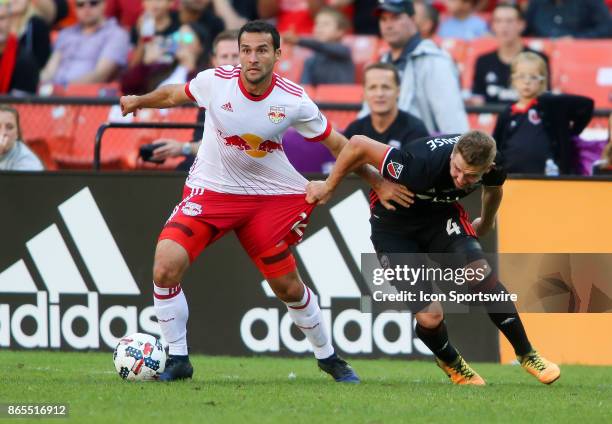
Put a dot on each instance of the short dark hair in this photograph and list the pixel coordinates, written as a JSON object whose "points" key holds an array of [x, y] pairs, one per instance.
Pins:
{"points": [[385, 67], [510, 5], [261, 26], [477, 148], [227, 35]]}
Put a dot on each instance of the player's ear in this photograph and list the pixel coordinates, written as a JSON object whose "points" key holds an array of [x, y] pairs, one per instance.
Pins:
{"points": [[277, 54]]}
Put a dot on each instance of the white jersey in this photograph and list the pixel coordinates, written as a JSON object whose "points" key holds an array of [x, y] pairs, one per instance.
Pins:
{"points": [[241, 150]]}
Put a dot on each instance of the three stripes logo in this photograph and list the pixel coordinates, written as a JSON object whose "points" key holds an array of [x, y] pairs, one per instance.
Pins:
{"points": [[106, 270], [330, 273]]}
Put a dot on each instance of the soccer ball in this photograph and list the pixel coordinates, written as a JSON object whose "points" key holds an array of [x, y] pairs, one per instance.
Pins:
{"points": [[139, 357]]}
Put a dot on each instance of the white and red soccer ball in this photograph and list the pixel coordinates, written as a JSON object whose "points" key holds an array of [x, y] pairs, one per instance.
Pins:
{"points": [[139, 357]]}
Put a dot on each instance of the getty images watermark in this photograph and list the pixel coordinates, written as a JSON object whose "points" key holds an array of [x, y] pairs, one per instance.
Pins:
{"points": [[531, 282]]}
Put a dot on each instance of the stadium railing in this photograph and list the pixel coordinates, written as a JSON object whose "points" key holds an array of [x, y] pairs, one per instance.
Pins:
{"points": [[62, 130]]}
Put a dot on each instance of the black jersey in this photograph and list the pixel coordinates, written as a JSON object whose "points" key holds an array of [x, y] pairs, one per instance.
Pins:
{"points": [[424, 167]]}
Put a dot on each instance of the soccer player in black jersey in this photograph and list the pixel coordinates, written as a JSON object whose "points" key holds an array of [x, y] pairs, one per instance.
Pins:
{"points": [[439, 171]]}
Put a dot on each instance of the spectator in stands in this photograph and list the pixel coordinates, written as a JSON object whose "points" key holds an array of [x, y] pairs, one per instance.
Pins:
{"points": [[430, 82], [385, 123], [463, 23], [568, 18], [201, 11], [154, 30], [18, 69], [225, 52], [126, 12], [492, 74], [32, 31], [93, 51], [426, 18], [534, 134], [235, 13], [291, 16], [169, 65], [14, 154], [331, 62]]}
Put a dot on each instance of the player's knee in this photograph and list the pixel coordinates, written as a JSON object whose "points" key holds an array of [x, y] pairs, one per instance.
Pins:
{"points": [[169, 265], [430, 320], [288, 288]]}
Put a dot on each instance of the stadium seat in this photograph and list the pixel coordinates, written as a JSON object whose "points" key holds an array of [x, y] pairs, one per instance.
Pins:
{"points": [[41, 148], [474, 49], [456, 48], [92, 90], [292, 61], [482, 121], [584, 67], [364, 50], [339, 93]]}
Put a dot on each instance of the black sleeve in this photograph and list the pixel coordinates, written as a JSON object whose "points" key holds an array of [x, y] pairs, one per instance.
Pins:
{"points": [[497, 175], [198, 133], [334, 50], [479, 85], [41, 39], [406, 169], [61, 7], [565, 109], [499, 133], [25, 75]]}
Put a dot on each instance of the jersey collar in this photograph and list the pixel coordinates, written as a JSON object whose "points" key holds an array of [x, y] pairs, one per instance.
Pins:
{"points": [[516, 109], [256, 98]]}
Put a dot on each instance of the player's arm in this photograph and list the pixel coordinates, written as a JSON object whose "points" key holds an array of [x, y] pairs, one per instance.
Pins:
{"points": [[491, 199], [362, 155], [166, 96]]}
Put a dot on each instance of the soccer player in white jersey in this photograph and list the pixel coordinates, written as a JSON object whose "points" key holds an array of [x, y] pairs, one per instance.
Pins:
{"points": [[242, 181]]}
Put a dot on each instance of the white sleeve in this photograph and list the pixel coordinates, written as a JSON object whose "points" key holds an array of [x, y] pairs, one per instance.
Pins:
{"points": [[310, 122], [199, 89]]}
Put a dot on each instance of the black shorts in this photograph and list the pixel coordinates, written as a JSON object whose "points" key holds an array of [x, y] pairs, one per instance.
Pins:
{"points": [[446, 230]]}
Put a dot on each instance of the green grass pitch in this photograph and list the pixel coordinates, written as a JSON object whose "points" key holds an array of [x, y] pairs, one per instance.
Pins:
{"points": [[259, 390]]}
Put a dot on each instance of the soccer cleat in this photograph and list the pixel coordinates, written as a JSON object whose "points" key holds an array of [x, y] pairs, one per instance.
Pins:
{"points": [[339, 369], [177, 368], [541, 368], [460, 372]]}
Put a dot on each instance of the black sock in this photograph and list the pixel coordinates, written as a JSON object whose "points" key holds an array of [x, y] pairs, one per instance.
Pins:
{"points": [[505, 317], [436, 339]]}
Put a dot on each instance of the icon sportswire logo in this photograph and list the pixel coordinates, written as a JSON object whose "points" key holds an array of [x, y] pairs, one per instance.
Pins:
{"points": [[331, 276], [60, 275]]}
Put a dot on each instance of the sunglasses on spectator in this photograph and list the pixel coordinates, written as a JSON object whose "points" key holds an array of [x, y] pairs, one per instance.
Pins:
{"points": [[528, 78], [91, 3], [183, 37]]}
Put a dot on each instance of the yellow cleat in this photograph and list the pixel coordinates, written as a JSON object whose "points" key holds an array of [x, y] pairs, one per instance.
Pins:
{"points": [[460, 372], [541, 368]]}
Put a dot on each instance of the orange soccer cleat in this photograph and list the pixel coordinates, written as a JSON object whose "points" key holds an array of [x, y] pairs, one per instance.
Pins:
{"points": [[460, 372], [541, 368]]}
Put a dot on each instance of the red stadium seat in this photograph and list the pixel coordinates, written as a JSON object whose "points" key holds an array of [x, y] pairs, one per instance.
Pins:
{"points": [[456, 48], [292, 61], [584, 67], [364, 50], [474, 49], [92, 90], [41, 148], [339, 93]]}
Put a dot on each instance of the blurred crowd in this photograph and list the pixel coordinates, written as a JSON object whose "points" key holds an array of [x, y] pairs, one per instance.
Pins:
{"points": [[47, 45]]}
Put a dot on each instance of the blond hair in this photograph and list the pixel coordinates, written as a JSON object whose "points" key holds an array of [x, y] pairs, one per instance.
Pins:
{"points": [[533, 58]]}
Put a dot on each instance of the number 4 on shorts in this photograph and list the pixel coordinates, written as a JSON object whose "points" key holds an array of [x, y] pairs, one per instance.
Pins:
{"points": [[452, 227]]}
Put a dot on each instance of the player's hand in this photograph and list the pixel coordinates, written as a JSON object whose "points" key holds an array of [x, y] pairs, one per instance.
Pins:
{"points": [[129, 104], [389, 192], [170, 149], [318, 192], [481, 228]]}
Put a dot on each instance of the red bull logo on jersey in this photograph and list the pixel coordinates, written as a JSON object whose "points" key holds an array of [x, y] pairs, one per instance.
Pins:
{"points": [[276, 114], [253, 145]]}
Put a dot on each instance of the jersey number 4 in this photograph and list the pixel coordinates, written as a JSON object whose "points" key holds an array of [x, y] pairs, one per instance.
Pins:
{"points": [[452, 227]]}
